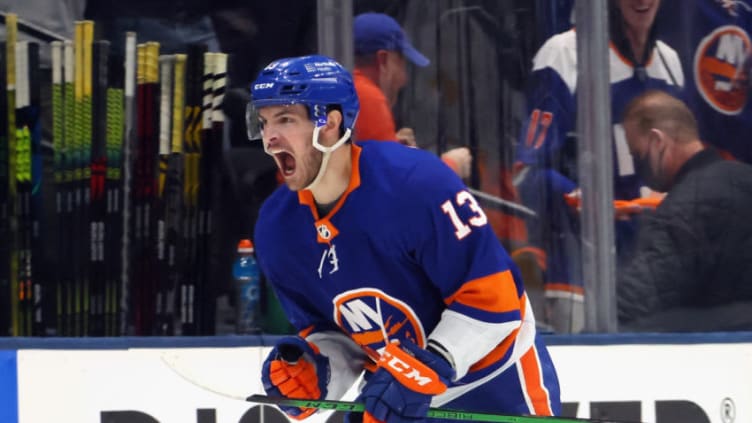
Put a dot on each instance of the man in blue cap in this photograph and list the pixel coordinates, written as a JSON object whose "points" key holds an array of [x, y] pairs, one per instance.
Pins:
{"points": [[381, 53]]}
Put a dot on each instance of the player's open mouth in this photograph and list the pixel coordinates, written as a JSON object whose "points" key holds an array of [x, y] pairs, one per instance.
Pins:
{"points": [[286, 162]]}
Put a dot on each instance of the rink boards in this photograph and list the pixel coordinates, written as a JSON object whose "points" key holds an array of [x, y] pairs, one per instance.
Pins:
{"points": [[650, 378]]}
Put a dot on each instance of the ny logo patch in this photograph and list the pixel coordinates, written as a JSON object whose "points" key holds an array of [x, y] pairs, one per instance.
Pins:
{"points": [[324, 232], [329, 260]]}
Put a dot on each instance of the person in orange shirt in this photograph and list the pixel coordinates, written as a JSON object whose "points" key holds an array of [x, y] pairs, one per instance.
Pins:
{"points": [[381, 54]]}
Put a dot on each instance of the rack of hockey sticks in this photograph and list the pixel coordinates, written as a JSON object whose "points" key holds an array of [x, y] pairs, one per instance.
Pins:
{"points": [[131, 216]]}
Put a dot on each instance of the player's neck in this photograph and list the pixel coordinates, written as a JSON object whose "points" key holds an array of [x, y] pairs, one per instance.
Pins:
{"points": [[336, 177]]}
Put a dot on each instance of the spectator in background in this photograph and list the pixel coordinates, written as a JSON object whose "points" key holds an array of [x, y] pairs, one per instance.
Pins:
{"points": [[694, 254], [547, 163], [381, 54]]}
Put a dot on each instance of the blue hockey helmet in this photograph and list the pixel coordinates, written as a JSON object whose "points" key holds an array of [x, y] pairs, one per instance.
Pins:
{"points": [[318, 82]]}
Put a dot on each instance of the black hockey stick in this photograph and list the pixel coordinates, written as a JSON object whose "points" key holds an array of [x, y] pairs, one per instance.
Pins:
{"points": [[11, 28], [436, 413]]}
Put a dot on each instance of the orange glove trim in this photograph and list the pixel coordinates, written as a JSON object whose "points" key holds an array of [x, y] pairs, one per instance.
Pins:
{"points": [[368, 418], [410, 371], [297, 380]]}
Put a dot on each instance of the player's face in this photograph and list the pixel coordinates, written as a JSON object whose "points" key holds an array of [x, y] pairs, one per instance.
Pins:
{"points": [[393, 76], [287, 134], [639, 14]]}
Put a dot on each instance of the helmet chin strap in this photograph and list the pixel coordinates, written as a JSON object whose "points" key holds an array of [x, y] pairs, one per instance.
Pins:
{"points": [[327, 153]]}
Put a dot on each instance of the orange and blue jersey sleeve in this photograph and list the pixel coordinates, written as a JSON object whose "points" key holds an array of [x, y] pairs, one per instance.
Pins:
{"points": [[455, 246], [548, 151], [551, 116], [544, 141]]}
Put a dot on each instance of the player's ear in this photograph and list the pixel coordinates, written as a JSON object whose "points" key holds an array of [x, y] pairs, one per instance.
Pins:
{"points": [[333, 120]]}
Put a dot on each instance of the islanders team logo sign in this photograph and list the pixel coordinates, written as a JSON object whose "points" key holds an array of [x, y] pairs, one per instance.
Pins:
{"points": [[373, 318], [721, 68]]}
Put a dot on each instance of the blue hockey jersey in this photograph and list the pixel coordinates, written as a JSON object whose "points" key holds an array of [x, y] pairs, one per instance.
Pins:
{"points": [[405, 253]]}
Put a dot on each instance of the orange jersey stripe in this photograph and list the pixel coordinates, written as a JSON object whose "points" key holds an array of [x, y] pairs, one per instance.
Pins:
{"points": [[533, 383], [624, 59], [305, 197], [497, 353], [305, 332], [495, 293]]}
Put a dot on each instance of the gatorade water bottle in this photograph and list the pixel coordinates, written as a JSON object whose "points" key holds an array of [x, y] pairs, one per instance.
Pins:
{"points": [[248, 286]]}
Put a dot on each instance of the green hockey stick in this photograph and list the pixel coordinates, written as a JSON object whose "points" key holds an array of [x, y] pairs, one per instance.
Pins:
{"points": [[436, 413]]}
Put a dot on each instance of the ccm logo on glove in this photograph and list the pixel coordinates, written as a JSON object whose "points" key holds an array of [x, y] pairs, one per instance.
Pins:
{"points": [[410, 372]]}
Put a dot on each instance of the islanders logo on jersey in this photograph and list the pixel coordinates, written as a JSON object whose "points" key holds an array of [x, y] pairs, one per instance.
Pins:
{"points": [[373, 318], [721, 69]]}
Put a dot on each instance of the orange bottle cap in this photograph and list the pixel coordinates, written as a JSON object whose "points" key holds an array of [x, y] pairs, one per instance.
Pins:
{"points": [[245, 246]]}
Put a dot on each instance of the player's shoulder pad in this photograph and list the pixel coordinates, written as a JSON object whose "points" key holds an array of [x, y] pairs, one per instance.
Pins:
{"points": [[279, 200], [399, 162], [418, 174]]}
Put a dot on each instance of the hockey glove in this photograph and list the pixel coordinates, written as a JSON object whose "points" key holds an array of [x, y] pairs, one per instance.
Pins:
{"points": [[401, 389], [296, 369]]}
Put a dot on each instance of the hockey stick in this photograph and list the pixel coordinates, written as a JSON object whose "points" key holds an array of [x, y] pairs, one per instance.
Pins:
{"points": [[505, 205], [11, 28], [164, 318], [346, 406], [98, 189], [123, 292], [436, 413], [84, 181]]}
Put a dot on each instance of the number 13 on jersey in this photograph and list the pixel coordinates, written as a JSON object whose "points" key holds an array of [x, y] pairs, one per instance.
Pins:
{"points": [[477, 219]]}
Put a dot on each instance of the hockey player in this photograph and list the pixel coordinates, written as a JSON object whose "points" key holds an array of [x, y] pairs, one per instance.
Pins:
{"points": [[379, 255], [547, 147]]}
